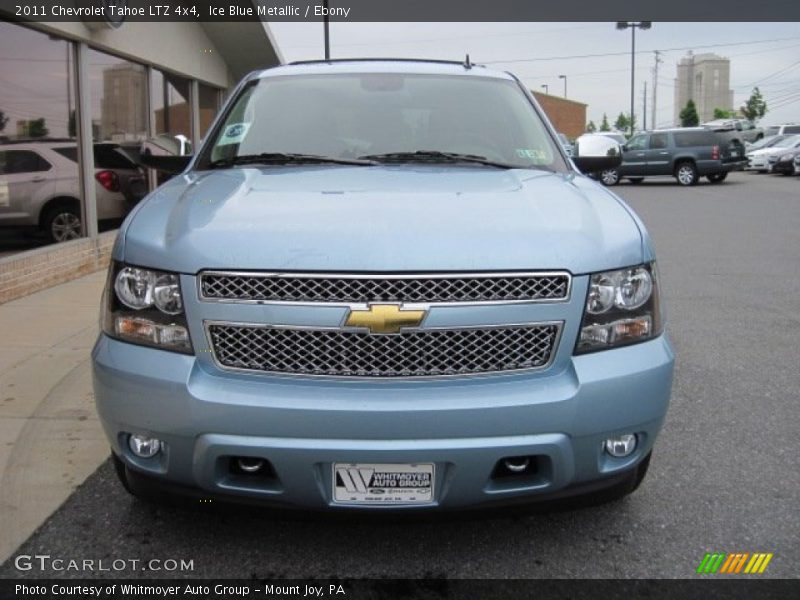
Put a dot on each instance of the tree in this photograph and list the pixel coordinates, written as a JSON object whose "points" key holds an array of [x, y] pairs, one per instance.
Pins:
{"points": [[37, 128], [3, 120], [755, 107], [688, 115], [591, 127], [722, 113], [623, 123], [604, 124]]}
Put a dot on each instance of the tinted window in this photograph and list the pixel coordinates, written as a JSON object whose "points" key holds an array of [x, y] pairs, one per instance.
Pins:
{"points": [[658, 140], [685, 139], [106, 156], [791, 129], [351, 115], [21, 161], [637, 143]]}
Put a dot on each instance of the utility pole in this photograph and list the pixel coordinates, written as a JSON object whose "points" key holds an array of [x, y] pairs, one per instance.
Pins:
{"points": [[633, 25], [326, 24], [644, 109], [654, 120]]}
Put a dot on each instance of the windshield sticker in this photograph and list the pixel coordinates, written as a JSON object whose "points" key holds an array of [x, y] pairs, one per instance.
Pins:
{"points": [[538, 156], [234, 134]]}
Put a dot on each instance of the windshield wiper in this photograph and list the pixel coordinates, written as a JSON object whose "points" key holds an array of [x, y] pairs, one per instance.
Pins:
{"points": [[437, 156], [282, 158]]}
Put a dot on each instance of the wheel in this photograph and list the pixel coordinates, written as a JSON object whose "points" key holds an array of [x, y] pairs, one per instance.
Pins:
{"points": [[62, 223], [636, 180], [686, 173], [609, 177], [790, 171], [717, 177]]}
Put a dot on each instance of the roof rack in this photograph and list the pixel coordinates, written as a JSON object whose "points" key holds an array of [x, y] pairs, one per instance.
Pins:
{"points": [[418, 60], [29, 140]]}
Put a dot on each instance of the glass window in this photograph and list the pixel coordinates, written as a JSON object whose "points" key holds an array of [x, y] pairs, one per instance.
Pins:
{"points": [[171, 104], [119, 126], [21, 161], [209, 102], [353, 115], [658, 140], [39, 189], [686, 139], [637, 143]]}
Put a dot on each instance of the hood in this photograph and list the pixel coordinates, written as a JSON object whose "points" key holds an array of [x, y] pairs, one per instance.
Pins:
{"points": [[381, 218]]}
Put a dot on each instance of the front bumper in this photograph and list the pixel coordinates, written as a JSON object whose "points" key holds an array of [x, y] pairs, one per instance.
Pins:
{"points": [[464, 426]]}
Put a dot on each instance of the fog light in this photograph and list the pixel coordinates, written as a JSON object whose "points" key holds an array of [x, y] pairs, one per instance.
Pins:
{"points": [[143, 446], [621, 446]]}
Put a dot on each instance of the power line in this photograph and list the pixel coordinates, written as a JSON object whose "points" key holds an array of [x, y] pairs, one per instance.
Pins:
{"points": [[604, 54]]}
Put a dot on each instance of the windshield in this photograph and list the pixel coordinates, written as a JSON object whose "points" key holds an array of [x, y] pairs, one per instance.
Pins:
{"points": [[407, 116], [788, 142]]}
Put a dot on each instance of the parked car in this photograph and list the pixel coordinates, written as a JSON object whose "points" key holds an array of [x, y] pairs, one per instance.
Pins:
{"points": [[766, 142], [746, 131], [786, 163], [43, 190], [764, 159], [788, 128], [383, 284], [685, 154]]}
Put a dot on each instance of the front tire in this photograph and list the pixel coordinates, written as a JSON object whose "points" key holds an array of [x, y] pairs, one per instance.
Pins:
{"points": [[686, 174], [609, 177], [717, 177]]}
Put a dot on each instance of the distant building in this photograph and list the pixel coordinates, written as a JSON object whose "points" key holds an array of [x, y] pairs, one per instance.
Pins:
{"points": [[567, 116], [704, 78], [124, 104]]}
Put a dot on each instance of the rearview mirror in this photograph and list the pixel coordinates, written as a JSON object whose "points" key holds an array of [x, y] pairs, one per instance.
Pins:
{"points": [[595, 153]]}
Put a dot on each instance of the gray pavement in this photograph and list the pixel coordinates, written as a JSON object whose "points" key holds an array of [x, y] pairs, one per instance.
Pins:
{"points": [[724, 475]]}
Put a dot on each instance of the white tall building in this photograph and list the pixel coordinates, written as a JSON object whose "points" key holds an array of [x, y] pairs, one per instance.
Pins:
{"points": [[704, 78]]}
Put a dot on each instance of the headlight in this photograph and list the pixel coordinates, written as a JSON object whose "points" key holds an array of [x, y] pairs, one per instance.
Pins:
{"points": [[145, 306], [621, 308], [786, 157]]}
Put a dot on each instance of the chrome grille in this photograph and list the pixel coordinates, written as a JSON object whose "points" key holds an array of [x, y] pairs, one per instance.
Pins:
{"points": [[417, 353], [298, 287]]}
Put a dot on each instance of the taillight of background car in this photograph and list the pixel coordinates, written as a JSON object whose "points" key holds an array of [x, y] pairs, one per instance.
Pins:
{"points": [[108, 179]]}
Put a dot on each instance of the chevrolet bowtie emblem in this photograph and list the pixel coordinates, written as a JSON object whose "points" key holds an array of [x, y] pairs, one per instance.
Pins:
{"points": [[384, 318]]}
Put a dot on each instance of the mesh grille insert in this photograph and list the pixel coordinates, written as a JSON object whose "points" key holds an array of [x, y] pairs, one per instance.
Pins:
{"points": [[419, 353], [237, 287]]}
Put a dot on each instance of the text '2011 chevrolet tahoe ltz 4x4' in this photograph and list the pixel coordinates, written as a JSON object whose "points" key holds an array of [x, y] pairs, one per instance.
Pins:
{"points": [[383, 285]]}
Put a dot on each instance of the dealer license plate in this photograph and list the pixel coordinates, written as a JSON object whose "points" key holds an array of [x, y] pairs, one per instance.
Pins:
{"points": [[371, 483]]}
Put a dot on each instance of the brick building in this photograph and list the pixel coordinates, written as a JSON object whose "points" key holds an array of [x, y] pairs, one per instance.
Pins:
{"points": [[567, 116]]}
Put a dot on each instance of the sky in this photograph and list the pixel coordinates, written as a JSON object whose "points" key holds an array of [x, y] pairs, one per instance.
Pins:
{"points": [[763, 54]]}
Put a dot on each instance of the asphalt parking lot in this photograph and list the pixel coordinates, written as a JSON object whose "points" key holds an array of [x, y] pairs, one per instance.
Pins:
{"points": [[724, 475]]}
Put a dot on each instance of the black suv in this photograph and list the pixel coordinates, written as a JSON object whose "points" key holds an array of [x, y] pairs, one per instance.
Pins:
{"points": [[686, 154]]}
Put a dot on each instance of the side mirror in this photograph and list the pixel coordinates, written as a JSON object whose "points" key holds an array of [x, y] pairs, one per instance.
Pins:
{"points": [[596, 153], [167, 153], [166, 164]]}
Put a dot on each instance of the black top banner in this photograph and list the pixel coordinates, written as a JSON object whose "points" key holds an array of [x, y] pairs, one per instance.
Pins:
{"points": [[397, 589], [116, 12]]}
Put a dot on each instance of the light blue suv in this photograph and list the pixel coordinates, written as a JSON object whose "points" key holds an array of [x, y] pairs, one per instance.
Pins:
{"points": [[382, 285]]}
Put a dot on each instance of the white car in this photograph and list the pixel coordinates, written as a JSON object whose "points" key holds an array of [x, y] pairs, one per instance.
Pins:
{"points": [[759, 160], [40, 186]]}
